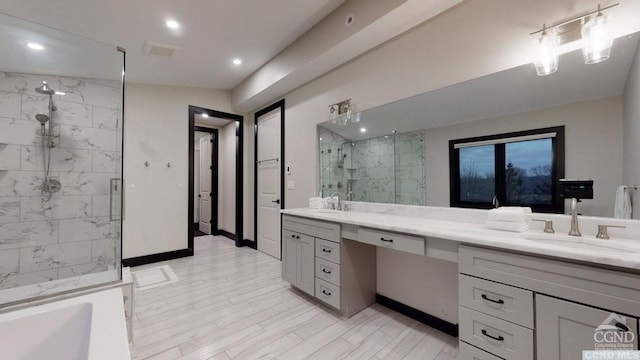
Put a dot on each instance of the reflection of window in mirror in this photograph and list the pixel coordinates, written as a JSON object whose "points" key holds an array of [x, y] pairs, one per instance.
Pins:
{"points": [[516, 169]]}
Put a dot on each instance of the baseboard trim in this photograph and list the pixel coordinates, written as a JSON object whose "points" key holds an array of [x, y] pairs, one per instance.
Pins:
{"points": [[249, 243], [225, 234], [153, 258], [436, 323]]}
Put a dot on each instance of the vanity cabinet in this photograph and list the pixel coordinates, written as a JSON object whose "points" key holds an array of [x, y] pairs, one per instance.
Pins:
{"points": [[338, 272], [297, 261], [567, 328], [511, 304]]}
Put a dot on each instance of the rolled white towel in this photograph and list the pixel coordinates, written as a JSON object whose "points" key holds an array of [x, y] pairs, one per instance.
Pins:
{"points": [[507, 226], [623, 208], [511, 214], [316, 203]]}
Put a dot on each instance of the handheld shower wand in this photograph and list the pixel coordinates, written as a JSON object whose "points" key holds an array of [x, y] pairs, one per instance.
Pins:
{"points": [[50, 186]]}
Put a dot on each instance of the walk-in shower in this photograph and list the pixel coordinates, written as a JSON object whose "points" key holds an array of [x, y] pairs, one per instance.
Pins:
{"points": [[61, 128], [49, 186]]}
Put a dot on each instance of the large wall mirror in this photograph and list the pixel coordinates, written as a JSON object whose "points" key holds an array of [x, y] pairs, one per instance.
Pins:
{"points": [[507, 137]]}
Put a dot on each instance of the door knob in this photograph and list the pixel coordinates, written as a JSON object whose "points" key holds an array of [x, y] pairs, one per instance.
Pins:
{"points": [[276, 201]]}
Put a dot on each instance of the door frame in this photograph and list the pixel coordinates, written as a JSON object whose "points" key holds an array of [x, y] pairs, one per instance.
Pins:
{"points": [[238, 119], [214, 179], [259, 113]]}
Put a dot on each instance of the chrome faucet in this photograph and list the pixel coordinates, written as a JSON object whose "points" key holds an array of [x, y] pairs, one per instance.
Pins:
{"points": [[339, 207], [575, 231]]}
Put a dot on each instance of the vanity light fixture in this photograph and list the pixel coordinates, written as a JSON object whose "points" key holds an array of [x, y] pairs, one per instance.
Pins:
{"points": [[363, 130], [343, 113], [597, 39], [591, 28], [546, 59]]}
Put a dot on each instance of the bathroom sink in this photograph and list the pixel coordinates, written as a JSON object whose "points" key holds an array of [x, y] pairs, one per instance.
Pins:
{"points": [[609, 246]]}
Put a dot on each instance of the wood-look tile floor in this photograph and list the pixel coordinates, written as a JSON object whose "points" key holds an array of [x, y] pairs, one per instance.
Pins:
{"points": [[231, 303]]}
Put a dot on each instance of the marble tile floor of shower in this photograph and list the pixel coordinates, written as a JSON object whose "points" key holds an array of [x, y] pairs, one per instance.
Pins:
{"points": [[231, 303]]}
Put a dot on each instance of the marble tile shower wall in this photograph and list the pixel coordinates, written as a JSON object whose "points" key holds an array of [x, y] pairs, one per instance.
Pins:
{"points": [[373, 170], [410, 173], [72, 233]]}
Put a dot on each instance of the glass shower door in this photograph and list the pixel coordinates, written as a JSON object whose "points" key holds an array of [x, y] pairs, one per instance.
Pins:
{"points": [[61, 129]]}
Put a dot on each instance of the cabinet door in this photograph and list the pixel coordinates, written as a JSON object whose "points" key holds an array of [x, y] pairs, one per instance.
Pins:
{"points": [[565, 329], [306, 264], [289, 257]]}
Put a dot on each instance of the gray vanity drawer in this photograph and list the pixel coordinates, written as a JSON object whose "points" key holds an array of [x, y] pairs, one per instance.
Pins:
{"points": [[328, 250], [510, 341], [328, 293], [400, 242], [326, 270], [468, 352], [315, 228], [502, 301], [607, 289]]}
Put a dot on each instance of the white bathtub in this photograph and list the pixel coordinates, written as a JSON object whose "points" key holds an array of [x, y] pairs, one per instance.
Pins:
{"points": [[88, 327]]}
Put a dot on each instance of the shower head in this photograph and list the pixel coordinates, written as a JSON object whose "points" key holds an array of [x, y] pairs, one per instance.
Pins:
{"points": [[45, 89], [42, 118]]}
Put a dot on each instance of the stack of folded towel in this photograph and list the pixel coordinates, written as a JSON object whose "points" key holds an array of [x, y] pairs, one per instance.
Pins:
{"points": [[508, 218], [316, 203]]}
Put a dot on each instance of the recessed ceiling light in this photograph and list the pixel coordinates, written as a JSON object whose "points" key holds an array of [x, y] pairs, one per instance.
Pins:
{"points": [[35, 46], [172, 24], [363, 130], [205, 115], [237, 61]]}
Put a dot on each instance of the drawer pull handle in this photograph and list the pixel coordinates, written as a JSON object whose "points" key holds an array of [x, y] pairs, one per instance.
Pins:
{"points": [[622, 327], [326, 292], [293, 236], [499, 338], [499, 301], [326, 250], [326, 271], [386, 240]]}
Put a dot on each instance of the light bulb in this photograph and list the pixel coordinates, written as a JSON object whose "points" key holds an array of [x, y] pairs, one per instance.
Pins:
{"points": [[35, 46], [546, 53], [596, 39]]}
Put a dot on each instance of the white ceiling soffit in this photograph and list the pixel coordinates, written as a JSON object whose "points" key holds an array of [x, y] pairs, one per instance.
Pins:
{"points": [[210, 36], [514, 91], [332, 43]]}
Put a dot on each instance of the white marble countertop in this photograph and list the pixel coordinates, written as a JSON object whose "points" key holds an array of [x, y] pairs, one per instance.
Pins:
{"points": [[621, 253]]}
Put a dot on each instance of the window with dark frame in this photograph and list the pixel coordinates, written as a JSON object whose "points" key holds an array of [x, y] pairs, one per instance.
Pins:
{"points": [[516, 169]]}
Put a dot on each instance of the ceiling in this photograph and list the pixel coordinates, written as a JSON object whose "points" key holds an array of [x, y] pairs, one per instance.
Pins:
{"points": [[211, 121], [211, 33], [501, 94]]}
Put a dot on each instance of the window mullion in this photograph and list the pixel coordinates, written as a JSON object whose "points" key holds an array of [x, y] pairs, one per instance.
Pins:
{"points": [[501, 186]]}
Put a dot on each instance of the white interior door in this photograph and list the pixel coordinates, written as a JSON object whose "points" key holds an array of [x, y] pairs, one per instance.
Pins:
{"points": [[205, 185], [268, 180]]}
